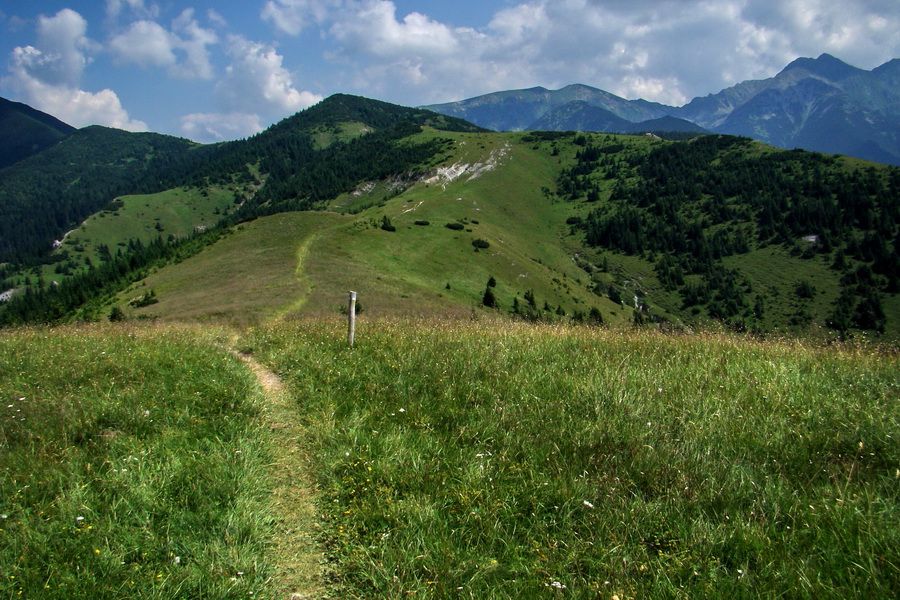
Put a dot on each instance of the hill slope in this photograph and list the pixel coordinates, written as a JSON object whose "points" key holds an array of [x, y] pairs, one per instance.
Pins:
{"points": [[575, 223], [548, 226], [45, 196], [25, 131]]}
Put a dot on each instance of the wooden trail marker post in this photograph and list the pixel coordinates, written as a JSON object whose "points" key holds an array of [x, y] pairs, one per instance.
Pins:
{"points": [[351, 318]]}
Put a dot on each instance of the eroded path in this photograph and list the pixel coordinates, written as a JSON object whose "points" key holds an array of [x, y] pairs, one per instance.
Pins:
{"points": [[299, 567]]}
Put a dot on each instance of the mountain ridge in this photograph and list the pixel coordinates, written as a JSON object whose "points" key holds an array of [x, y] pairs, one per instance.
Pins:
{"points": [[26, 131], [801, 106], [590, 227]]}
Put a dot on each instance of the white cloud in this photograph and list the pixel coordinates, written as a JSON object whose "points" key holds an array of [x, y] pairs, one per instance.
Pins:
{"points": [[145, 43], [148, 43], [62, 43], [69, 104], [137, 8], [217, 127], [293, 16], [216, 18], [193, 41], [48, 76], [663, 50], [373, 29], [257, 82]]}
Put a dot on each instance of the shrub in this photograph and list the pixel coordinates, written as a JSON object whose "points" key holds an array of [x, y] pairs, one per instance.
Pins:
{"points": [[489, 299], [480, 243], [422, 223], [455, 226]]}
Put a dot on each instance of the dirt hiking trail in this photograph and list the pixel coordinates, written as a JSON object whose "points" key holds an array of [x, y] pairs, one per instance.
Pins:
{"points": [[299, 562]]}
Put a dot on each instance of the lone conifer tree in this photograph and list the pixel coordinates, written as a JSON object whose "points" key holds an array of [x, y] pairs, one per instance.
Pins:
{"points": [[488, 299]]}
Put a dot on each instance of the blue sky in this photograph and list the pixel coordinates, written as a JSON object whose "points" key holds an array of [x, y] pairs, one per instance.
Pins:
{"points": [[221, 70]]}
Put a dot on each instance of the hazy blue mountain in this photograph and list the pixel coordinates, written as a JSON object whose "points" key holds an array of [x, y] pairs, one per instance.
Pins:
{"points": [[821, 104], [518, 110], [580, 116], [25, 131], [666, 124]]}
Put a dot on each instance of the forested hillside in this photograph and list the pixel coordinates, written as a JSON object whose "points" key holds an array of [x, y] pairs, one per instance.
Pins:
{"points": [[25, 131], [593, 227], [47, 194], [43, 197], [695, 204]]}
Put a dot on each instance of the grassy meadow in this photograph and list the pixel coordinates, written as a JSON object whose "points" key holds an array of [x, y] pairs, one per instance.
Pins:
{"points": [[506, 460], [133, 464], [462, 458]]}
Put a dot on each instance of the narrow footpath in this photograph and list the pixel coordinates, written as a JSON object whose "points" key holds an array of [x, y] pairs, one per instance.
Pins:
{"points": [[299, 566]]}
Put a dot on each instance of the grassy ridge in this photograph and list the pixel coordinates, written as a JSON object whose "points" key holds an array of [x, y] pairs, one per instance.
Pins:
{"points": [[506, 461], [177, 212], [255, 273], [132, 465], [505, 198]]}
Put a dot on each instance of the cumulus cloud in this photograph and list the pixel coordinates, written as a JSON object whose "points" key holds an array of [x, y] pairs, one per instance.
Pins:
{"points": [[293, 16], [136, 8], [145, 43], [373, 29], [47, 76], [148, 43], [62, 44], [69, 104], [663, 50], [217, 127], [193, 41], [257, 82]]}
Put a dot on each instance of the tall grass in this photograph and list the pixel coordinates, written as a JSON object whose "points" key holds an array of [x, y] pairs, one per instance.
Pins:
{"points": [[132, 465], [500, 460]]}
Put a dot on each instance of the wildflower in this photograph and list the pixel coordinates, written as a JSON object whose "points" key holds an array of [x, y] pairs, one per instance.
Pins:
{"points": [[555, 584]]}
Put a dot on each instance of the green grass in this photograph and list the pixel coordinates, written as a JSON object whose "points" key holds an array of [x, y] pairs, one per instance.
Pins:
{"points": [[133, 464], [498, 460], [401, 272], [478, 459], [175, 212], [250, 275]]}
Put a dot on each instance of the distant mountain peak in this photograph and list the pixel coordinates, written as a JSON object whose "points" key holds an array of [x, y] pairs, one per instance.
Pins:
{"points": [[826, 66]]}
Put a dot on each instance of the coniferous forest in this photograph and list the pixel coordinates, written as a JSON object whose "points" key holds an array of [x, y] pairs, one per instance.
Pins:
{"points": [[691, 207], [695, 203]]}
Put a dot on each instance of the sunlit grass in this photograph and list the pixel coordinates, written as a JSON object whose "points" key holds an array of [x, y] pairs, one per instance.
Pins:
{"points": [[490, 459], [132, 465], [501, 460]]}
